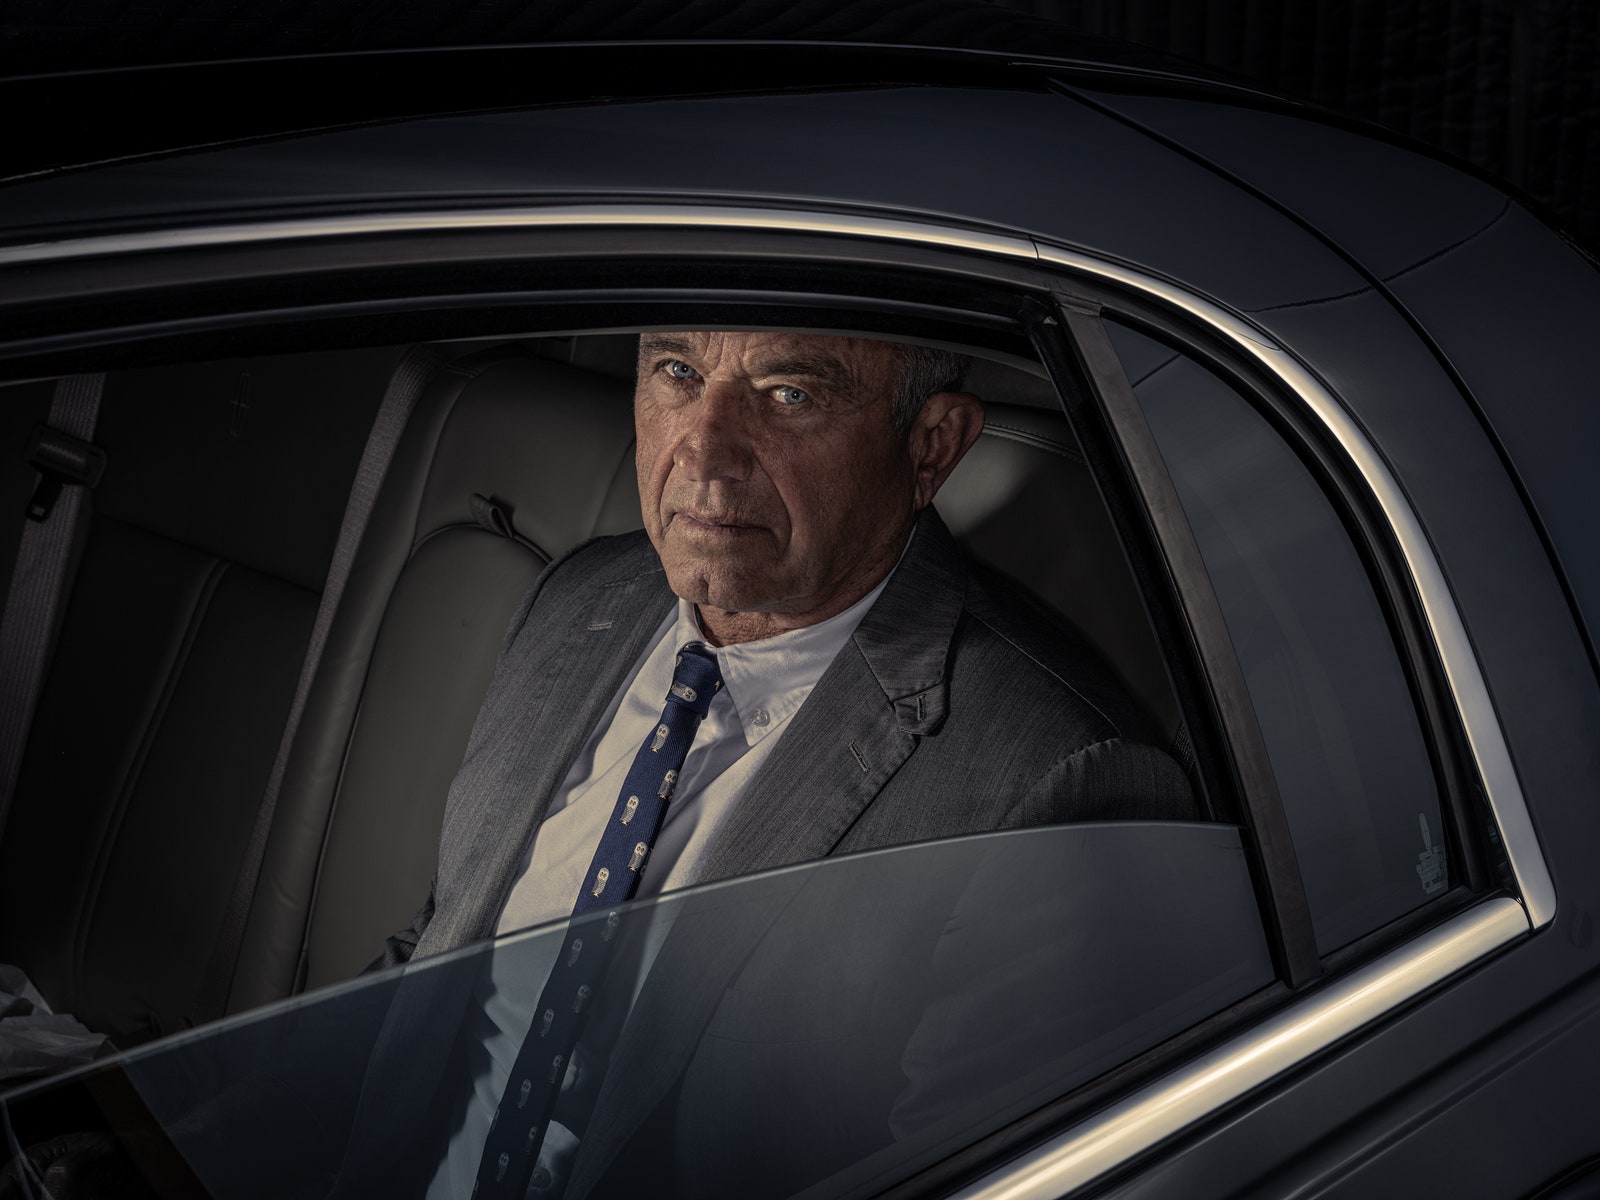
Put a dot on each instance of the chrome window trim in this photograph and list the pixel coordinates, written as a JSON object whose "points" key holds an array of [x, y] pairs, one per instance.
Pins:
{"points": [[1175, 1101], [1301, 1030], [505, 219], [1485, 739]]}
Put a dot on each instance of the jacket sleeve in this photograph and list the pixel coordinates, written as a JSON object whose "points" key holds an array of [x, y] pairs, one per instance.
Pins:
{"points": [[399, 947], [1111, 780]]}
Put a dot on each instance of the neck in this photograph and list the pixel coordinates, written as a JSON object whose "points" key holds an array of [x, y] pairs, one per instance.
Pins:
{"points": [[724, 628]]}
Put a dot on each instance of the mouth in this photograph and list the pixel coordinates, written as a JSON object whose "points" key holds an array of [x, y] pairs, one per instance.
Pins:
{"points": [[713, 524]]}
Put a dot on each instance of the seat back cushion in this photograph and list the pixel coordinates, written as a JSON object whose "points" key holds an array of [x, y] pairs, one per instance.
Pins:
{"points": [[176, 662], [413, 647]]}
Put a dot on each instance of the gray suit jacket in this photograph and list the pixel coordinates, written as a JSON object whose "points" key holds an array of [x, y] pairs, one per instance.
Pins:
{"points": [[955, 708]]}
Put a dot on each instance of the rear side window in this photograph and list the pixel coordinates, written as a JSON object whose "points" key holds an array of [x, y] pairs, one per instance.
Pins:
{"points": [[1324, 676]]}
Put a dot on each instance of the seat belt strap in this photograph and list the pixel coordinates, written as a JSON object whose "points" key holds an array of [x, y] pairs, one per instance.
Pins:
{"points": [[69, 466], [406, 386]]}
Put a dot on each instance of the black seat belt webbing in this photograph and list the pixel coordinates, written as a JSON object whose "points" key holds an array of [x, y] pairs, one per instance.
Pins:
{"points": [[69, 466], [406, 386]]}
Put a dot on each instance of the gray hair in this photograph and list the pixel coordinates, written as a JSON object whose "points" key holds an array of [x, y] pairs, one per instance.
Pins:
{"points": [[922, 372]]}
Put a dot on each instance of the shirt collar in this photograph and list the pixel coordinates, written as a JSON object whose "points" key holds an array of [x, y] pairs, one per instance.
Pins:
{"points": [[767, 680]]}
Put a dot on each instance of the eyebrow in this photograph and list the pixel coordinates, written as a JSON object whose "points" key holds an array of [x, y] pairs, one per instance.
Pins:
{"points": [[831, 372], [660, 343]]}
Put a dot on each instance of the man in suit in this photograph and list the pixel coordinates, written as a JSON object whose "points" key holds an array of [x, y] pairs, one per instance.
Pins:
{"points": [[781, 479], [881, 689]]}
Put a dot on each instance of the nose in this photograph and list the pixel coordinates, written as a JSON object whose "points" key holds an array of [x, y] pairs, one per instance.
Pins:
{"points": [[714, 441]]}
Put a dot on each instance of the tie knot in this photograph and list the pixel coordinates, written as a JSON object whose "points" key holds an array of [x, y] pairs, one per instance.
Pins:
{"points": [[696, 679]]}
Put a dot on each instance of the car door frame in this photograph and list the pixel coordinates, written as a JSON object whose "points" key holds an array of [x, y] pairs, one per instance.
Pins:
{"points": [[86, 284]]}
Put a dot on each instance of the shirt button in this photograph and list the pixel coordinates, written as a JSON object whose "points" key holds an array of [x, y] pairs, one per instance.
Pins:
{"points": [[759, 718]]}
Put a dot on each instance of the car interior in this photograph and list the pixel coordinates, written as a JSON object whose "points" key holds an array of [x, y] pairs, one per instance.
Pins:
{"points": [[128, 890]]}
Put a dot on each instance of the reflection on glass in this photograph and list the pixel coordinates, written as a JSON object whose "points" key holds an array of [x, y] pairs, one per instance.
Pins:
{"points": [[1334, 706], [825, 1029]]}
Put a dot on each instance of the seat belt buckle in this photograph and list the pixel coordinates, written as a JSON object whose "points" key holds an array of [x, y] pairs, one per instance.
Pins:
{"points": [[60, 459]]}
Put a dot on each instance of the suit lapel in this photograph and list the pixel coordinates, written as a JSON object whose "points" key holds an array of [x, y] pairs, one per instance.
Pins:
{"points": [[839, 750], [534, 721], [884, 690]]}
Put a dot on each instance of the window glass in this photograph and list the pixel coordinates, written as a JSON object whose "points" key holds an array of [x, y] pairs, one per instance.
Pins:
{"points": [[837, 1026], [834, 1026], [1329, 692]]}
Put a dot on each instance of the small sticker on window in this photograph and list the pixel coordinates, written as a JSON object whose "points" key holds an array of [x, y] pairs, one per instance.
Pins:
{"points": [[1430, 863]]}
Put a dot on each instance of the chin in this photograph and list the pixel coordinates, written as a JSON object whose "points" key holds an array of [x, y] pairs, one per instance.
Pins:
{"points": [[740, 575], [737, 601], [715, 589]]}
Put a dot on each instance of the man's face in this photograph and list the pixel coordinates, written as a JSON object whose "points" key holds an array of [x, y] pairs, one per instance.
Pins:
{"points": [[770, 474]]}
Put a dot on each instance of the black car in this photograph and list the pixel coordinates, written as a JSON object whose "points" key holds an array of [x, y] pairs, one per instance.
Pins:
{"points": [[1292, 422]]}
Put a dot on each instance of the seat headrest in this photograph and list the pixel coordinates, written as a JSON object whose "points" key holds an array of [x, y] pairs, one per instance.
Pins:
{"points": [[551, 443]]}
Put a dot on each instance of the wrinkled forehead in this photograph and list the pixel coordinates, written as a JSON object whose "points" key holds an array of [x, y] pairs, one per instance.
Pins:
{"points": [[858, 364]]}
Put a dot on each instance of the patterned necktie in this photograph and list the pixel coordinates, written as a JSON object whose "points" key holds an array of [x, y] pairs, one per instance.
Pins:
{"points": [[518, 1127]]}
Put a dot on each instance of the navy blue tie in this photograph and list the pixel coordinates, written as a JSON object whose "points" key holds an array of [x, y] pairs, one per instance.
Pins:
{"points": [[517, 1130]]}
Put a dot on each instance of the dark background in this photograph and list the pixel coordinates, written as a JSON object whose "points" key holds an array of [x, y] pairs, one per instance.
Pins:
{"points": [[1512, 86]]}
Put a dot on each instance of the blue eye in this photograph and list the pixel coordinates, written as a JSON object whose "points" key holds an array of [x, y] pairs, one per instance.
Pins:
{"points": [[680, 370], [790, 395]]}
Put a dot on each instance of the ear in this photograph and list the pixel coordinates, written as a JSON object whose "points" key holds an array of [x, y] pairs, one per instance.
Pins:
{"points": [[942, 433]]}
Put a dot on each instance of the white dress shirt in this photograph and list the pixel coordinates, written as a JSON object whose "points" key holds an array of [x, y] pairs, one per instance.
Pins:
{"points": [[764, 683]]}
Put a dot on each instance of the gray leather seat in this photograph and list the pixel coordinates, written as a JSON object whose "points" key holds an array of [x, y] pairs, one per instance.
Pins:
{"points": [[173, 672], [414, 644]]}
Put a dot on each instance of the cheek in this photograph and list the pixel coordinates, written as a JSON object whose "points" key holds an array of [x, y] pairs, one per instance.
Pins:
{"points": [[831, 498], [652, 460], [651, 467]]}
